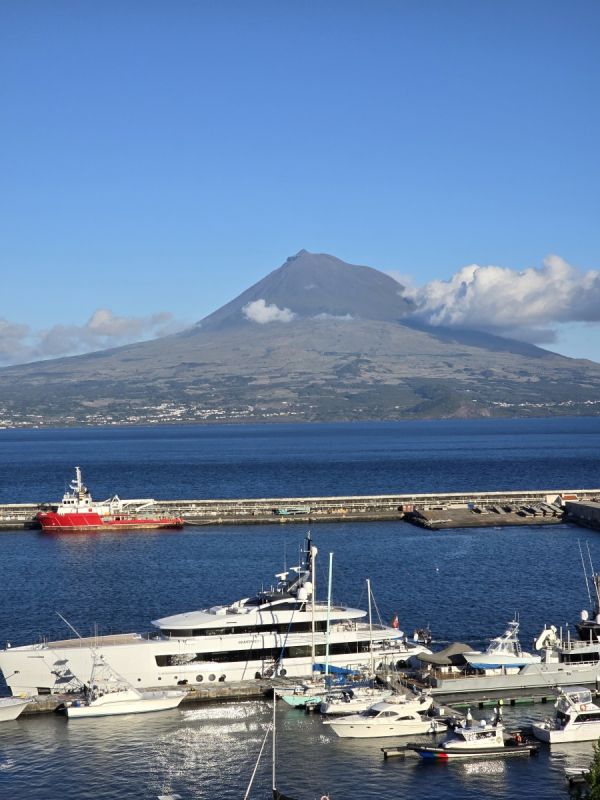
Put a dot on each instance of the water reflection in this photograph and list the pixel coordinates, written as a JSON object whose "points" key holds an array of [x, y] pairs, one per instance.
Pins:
{"points": [[209, 751]]}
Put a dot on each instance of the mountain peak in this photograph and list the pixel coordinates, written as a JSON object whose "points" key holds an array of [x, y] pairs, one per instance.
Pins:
{"points": [[314, 285]]}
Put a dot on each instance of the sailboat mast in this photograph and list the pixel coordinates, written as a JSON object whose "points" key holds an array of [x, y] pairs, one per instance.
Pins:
{"points": [[313, 559], [329, 582], [274, 752], [370, 626]]}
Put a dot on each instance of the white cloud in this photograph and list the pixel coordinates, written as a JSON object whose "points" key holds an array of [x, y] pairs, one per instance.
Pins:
{"points": [[527, 305], [19, 343], [259, 311]]}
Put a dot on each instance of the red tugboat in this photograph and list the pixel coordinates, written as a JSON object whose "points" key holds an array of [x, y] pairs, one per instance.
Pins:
{"points": [[78, 512]]}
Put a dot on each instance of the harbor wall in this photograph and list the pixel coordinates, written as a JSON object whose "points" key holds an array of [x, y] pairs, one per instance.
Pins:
{"points": [[586, 513], [458, 509]]}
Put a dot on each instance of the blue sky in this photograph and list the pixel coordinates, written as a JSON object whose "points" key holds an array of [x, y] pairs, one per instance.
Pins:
{"points": [[161, 157]]}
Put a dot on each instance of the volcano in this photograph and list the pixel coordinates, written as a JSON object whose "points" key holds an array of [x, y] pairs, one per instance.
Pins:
{"points": [[317, 339]]}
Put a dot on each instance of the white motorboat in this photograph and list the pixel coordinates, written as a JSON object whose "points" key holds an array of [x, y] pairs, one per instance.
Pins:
{"points": [[107, 694], [11, 707], [577, 718], [503, 652], [260, 636], [353, 700], [481, 739], [398, 715]]}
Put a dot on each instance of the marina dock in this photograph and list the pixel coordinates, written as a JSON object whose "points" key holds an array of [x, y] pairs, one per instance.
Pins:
{"points": [[432, 511]]}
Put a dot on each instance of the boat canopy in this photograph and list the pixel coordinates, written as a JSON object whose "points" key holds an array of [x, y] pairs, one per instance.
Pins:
{"points": [[449, 656], [334, 670]]}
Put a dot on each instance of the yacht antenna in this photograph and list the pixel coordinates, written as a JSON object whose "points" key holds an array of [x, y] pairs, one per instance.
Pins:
{"points": [[66, 621], [587, 583]]}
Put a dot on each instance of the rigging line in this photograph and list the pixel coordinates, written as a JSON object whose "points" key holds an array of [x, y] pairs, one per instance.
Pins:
{"points": [[587, 583], [587, 544], [258, 761]]}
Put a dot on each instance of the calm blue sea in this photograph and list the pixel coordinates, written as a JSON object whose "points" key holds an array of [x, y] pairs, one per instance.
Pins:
{"points": [[465, 584]]}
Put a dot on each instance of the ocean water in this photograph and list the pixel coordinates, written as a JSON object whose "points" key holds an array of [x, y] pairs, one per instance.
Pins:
{"points": [[465, 584]]}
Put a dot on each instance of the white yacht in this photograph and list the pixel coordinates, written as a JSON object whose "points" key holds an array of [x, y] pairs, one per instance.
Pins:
{"points": [[277, 632], [577, 718], [503, 651], [398, 715]]}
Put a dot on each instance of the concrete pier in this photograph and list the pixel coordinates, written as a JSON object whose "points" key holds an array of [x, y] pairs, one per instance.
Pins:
{"points": [[586, 513]]}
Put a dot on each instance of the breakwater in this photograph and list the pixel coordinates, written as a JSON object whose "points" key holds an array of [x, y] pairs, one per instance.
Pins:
{"points": [[439, 510]]}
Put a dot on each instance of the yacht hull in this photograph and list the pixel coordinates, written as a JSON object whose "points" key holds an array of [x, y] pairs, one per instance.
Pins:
{"points": [[11, 707], [447, 754], [146, 703], [585, 732], [533, 676], [52, 667], [357, 730]]}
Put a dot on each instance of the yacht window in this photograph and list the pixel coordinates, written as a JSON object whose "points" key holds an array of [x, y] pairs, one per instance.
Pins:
{"points": [[199, 678], [211, 677], [593, 717]]}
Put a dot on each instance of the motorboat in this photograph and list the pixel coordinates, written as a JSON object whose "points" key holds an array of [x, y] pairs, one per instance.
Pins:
{"points": [[11, 707], [398, 715], [353, 700], [107, 694], [266, 635], [577, 718], [478, 739], [502, 652]]}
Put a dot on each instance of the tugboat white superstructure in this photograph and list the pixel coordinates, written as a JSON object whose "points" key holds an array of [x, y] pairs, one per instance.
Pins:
{"points": [[260, 636]]}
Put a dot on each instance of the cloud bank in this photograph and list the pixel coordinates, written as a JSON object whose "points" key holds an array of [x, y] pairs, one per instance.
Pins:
{"points": [[259, 311], [527, 305], [20, 343]]}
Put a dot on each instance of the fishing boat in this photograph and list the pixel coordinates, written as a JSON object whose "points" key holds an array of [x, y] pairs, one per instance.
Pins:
{"points": [[11, 707], [108, 694], [78, 512], [503, 652], [478, 739], [265, 635], [577, 718], [398, 715]]}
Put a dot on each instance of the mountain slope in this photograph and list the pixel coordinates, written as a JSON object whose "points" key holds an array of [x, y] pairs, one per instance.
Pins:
{"points": [[346, 348]]}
